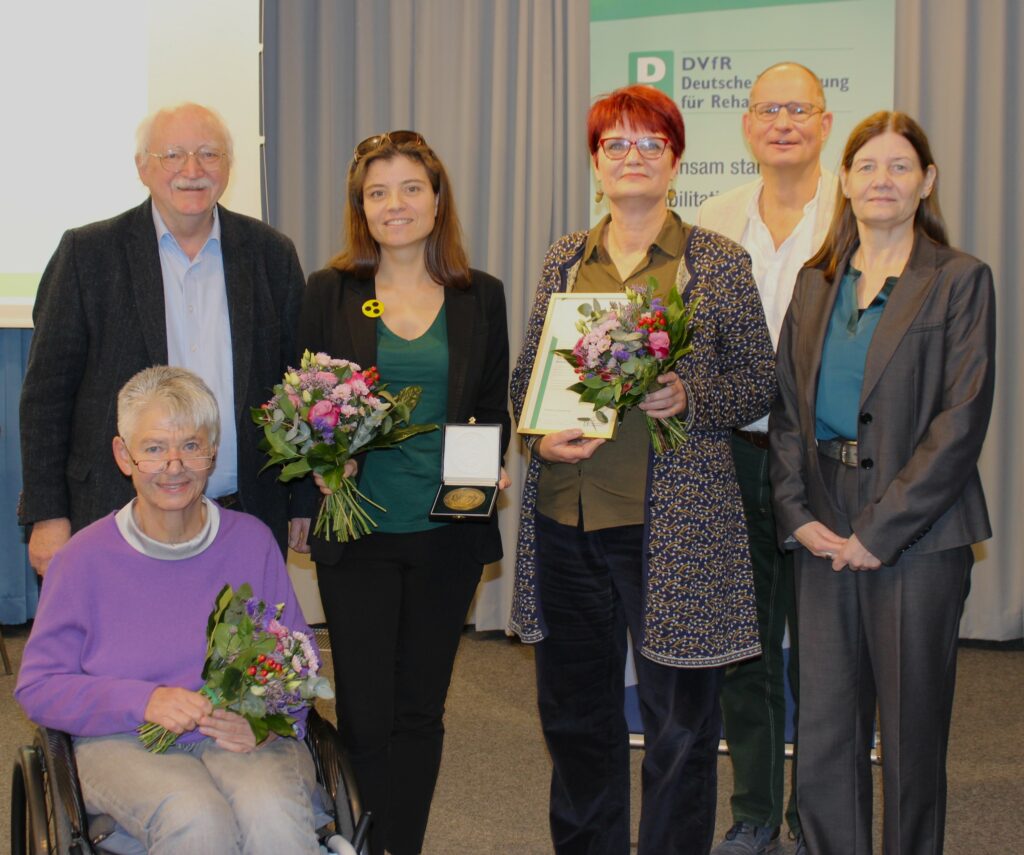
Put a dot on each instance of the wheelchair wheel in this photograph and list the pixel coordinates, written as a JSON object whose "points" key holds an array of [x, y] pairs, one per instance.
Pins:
{"points": [[28, 831], [47, 815], [32, 832]]}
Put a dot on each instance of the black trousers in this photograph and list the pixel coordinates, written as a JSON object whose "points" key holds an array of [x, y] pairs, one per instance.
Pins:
{"points": [[888, 635], [395, 607], [591, 592]]}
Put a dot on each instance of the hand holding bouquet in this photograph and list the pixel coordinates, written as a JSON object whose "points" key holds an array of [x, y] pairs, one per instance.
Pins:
{"points": [[254, 666], [624, 348], [320, 416]]}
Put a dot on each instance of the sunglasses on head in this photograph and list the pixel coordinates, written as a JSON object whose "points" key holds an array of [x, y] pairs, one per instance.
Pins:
{"points": [[371, 144]]}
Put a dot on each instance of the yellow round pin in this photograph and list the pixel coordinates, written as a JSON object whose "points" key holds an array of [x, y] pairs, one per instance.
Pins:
{"points": [[373, 308]]}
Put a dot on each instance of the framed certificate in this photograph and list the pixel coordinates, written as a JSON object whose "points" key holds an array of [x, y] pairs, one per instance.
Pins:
{"points": [[549, 405]]}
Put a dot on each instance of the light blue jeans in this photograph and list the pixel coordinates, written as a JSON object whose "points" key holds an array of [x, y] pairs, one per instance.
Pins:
{"points": [[199, 799]]}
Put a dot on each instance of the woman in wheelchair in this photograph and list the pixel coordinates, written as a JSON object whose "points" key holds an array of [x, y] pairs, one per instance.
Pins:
{"points": [[119, 639]]}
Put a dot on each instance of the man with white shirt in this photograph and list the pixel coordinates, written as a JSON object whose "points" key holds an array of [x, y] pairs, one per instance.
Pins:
{"points": [[781, 219], [178, 280]]}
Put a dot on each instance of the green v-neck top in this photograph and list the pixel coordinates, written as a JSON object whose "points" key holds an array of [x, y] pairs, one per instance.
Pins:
{"points": [[404, 479]]}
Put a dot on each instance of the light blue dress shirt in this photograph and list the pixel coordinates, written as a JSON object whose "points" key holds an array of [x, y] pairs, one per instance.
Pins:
{"points": [[199, 335]]}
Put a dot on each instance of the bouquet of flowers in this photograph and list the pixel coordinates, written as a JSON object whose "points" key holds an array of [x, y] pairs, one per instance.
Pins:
{"points": [[322, 414], [624, 348], [254, 666]]}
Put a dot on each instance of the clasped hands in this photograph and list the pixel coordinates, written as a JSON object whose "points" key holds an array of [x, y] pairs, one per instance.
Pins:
{"points": [[181, 710], [844, 552]]}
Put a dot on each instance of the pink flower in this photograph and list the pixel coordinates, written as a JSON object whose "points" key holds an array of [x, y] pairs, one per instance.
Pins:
{"points": [[323, 415], [658, 344]]}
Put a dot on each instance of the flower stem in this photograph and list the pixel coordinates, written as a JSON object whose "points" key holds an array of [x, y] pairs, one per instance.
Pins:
{"points": [[341, 515]]}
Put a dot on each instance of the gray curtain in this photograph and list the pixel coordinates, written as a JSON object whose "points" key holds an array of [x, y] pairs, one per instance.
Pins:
{"points": [[959, 72], [500, 89]]}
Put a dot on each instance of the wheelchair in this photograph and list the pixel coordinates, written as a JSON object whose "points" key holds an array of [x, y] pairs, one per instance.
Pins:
{"points": [[48, 813]]}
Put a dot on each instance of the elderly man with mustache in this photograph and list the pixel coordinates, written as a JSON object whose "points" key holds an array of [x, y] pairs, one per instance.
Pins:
{"points": [[178, 280]]}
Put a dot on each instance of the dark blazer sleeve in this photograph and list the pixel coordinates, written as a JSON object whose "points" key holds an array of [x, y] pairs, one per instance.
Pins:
{"points": [[787, 452], [489, 401], [958, 357], [56, 364]]}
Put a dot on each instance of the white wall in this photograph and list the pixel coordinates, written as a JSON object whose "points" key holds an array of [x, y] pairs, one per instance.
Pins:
{"points": [[77, 77]]}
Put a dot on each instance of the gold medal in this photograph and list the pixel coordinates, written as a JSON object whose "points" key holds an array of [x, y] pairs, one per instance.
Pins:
{"points": [[373, 308], [464, 499]]}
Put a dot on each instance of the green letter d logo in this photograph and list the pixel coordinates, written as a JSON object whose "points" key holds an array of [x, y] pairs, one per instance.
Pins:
{"points": [[653, 68]]}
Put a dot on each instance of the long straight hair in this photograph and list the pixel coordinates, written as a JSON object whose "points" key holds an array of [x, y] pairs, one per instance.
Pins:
{"points": [[842, 234], [444, 254]]}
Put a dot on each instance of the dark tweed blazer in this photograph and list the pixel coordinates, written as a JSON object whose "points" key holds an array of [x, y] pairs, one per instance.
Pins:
{"points": [[99, 319], [698, 603], [924, 407], [333, 322]]}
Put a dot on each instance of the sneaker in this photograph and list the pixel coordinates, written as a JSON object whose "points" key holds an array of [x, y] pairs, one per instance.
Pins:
{"points": [[744, 838]]}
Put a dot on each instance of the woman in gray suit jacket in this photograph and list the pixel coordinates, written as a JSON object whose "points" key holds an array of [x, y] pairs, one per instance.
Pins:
{"points": [[886, 372]]}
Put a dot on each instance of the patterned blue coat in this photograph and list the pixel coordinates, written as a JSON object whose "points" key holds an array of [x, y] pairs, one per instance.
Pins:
{"points": [[698, 588]]}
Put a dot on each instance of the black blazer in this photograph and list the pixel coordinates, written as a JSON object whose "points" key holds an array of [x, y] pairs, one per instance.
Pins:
{"points": [[332, 321], [924, 408], [99, 319]]}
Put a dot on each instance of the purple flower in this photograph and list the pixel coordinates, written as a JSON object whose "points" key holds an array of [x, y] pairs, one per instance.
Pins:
{"points": [[621, 354]]}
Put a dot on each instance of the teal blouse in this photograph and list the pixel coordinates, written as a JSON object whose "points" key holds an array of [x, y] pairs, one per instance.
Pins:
{"points": [[843, 357], [404, 479]]}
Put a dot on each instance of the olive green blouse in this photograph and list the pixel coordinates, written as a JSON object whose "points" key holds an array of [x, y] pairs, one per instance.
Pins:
{"points": [[609, 488]]}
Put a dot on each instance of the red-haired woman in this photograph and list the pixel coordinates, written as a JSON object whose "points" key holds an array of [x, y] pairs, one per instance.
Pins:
{"points": [[613, 536], [886, 376]]}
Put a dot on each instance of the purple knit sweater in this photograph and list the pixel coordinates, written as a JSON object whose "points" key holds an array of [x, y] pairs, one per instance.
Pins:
{"points": [[114, 624]]}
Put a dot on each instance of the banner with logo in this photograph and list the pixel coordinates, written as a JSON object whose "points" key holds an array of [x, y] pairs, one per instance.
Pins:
{"points": [[706, 54]]}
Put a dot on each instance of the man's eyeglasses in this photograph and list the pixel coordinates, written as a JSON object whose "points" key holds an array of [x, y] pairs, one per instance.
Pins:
{"points": [[798, 111], [153, 465], [174, 159], [371, 144], [649, 148]]}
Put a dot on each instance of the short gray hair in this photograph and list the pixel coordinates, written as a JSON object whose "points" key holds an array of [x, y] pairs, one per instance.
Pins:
{"points": [[144, 131], [186, 398]]}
